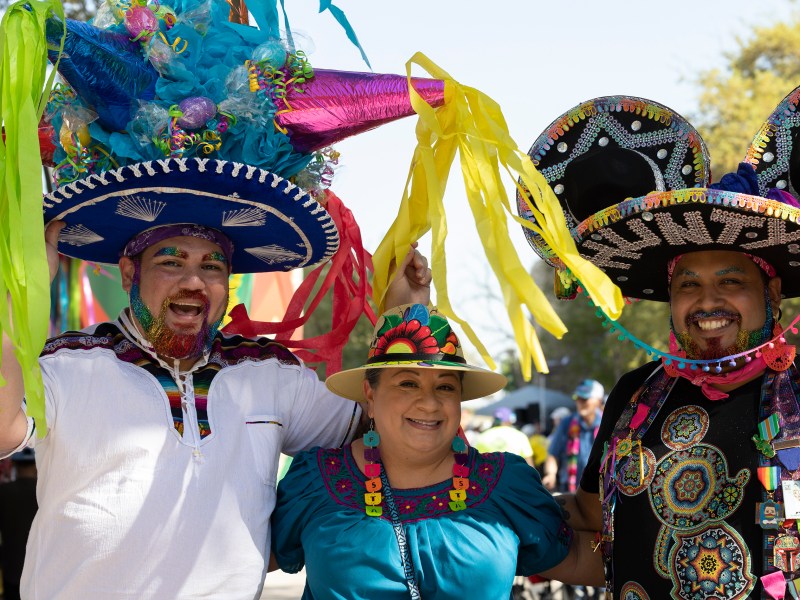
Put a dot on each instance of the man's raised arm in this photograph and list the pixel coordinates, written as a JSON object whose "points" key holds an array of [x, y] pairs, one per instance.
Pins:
{"points": [[13, 423]]}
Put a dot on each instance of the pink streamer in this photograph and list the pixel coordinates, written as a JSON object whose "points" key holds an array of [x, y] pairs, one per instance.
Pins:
{"points": [[88, 297], [775, 585]]}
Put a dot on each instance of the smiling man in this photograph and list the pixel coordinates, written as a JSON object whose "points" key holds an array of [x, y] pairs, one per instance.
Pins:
{"points": [[186, 284], [692, 475], [159, 465]]}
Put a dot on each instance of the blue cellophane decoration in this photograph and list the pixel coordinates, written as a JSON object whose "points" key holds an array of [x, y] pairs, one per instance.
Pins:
{"points": [[99, 64], [203, 54]]}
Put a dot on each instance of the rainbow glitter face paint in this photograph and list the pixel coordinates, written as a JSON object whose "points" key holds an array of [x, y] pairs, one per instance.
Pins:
{"points": [[171, 251], [168, 342], [218, 256]]}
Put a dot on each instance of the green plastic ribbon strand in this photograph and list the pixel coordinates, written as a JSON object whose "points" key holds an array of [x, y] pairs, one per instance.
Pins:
{"points": [[24, 274]]}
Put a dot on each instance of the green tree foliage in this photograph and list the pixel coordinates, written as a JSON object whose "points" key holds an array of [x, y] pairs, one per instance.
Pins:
{"points": [[735, 101]]}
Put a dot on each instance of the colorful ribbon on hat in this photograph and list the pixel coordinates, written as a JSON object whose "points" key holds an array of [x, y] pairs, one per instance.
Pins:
{"points": [[472, 124], [346, 274], [24, 274]]}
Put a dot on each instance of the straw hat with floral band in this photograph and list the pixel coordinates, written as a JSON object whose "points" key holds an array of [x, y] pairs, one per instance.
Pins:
{"points": [[420, 338], [637, 236]]}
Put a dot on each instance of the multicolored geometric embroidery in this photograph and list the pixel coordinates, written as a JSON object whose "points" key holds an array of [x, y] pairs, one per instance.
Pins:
{"points": [[661, 552], [711, 562], [692, 486], [684, 427], [633, 477], [225, 351], [343, 478], [633, 591]]}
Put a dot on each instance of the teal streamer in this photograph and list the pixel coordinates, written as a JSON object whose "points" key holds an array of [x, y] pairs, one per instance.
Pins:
{"points": [[340, 17]]}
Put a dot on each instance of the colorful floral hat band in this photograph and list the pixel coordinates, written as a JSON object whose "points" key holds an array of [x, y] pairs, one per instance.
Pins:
{"points": [[139, 243], [439, 357], [414, 337]]}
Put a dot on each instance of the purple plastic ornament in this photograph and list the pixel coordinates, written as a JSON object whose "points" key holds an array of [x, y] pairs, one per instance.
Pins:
{"points": [[140, 22], [197, 111]]}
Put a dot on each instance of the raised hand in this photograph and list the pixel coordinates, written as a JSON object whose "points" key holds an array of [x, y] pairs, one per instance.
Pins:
{"points": [[51, 242]]}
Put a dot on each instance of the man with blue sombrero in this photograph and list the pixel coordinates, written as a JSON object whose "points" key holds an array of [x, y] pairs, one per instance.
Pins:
{"points": [[691, 480], [158, 461]]}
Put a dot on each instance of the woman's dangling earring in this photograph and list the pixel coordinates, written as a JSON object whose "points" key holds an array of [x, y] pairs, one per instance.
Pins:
{"points": [[372, 469], [458, 495]]}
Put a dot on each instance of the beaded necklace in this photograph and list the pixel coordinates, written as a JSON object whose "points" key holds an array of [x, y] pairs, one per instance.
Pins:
{"points": [[373, 498]]}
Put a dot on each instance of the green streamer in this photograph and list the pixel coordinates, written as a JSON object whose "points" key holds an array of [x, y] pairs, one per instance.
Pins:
{"points": [[24, 274]]}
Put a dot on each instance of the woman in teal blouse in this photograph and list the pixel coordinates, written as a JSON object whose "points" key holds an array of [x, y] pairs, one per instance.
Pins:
{"points": [[410, 511]]}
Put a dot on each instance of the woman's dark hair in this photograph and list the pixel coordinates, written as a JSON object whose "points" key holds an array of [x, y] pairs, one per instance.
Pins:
{"points": [[373, 375]]}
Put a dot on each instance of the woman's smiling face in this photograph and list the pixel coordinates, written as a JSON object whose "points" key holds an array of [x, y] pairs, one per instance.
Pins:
{"points": [[415, 409]]}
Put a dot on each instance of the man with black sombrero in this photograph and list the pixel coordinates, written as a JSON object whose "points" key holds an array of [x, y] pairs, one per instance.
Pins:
{"points": [[697, 458], [158, 460]]}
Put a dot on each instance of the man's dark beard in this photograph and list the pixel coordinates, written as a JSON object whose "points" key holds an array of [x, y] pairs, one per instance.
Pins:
{"points": [[744, 339], [714, 349], [166, 341]]}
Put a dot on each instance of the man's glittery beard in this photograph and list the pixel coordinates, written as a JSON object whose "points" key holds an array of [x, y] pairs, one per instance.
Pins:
{"points": [[744, 339], [166, 341]]}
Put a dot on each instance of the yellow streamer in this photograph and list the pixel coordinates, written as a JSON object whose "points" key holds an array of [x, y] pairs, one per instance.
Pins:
{"points": [[473, 124], [24, 274]]}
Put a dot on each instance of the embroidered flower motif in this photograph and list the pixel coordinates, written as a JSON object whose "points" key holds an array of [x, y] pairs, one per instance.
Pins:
{"points": [[438, 503], [344, 487], [332, 464], [410, 337], [475, 489], [487, 469], [407, 506]]}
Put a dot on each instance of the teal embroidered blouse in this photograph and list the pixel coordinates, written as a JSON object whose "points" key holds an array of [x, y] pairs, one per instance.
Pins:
{"points": [[511, 526]]}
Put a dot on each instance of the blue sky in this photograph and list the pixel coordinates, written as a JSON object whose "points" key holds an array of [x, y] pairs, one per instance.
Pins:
{"points": [[537, 60]]}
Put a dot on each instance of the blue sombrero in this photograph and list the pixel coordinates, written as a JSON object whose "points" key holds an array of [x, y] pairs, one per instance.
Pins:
{"points": [[273, 224], [167, 137]]}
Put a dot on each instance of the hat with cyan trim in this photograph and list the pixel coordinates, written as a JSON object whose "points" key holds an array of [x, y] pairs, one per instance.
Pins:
{"points": [[418, 338], [631, 234]]}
